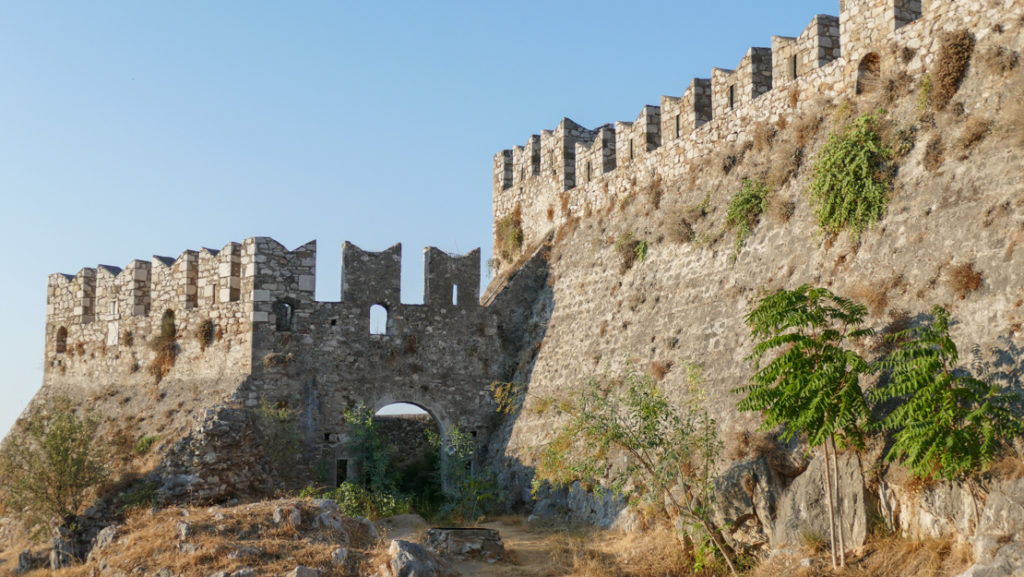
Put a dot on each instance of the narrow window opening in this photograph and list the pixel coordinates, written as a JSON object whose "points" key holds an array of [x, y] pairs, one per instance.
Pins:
{"points": [[732, 96], [62, 340], [631, 149], [522, 173], [327, 437], [168, 330], [341, 471], [869, 73], [334, 322], [113, 308], [455, 295], [378, 320], [284, 313], [677, 126], [792, 67], [588, 171]]}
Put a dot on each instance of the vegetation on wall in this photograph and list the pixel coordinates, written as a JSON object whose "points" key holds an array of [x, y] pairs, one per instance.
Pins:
{"points": [[279, 437], [745, 210], [948, 423], [848, 183], [625, 428], [508, 239], [165, 347], [630, 251], [951, 67]]}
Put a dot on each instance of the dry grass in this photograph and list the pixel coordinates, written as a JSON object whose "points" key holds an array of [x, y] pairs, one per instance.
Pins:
{"points": [[805, 128], [934, 153], [228, 539], [785, 162], [951, 67], [764, 136], [655, 552], [1009, 468], [659, 369], [974, 131], [999, 60], [963, 279], [780, 210], [888, 557]]}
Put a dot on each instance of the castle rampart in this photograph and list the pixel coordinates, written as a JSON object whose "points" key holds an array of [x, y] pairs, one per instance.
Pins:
{"points": [[833, 56]]}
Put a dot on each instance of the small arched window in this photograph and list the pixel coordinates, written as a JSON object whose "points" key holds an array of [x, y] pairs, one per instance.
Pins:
{"points": [[869, 73], [732, 96], [62, 340], [168, 330], [378, 320], [284, 312]]}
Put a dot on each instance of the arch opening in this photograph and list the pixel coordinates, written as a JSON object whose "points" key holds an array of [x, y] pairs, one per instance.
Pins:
{"points": [[61, 343], [378, 320], [869, 73], [284, 312]]}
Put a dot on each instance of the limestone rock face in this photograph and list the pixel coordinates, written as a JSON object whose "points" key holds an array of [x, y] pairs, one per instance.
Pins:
{"points": [[803, 507]]}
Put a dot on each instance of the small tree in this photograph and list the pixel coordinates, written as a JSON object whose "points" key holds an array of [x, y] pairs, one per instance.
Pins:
{"points": [[468, 491], [948, 423], [812, 384], [48, 472], [628, 430], [370, 451]]}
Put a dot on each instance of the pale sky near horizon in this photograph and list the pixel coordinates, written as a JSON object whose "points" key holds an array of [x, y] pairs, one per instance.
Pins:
{"points": [[132, 129]]}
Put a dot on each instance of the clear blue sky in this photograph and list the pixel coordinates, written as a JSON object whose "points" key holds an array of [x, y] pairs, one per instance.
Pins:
{"points": [[129, 129]]}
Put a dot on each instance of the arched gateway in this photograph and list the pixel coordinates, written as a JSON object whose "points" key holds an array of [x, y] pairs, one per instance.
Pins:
{"points": [[330, 359]]}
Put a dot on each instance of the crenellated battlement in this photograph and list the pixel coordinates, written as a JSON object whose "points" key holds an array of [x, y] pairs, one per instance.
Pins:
{"points": [[536, 178]]}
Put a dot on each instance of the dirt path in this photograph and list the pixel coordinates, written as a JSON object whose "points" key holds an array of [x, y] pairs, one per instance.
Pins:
{"points": [[531, 554]]}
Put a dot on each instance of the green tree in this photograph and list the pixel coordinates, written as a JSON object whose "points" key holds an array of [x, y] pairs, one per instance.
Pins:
{"points": [[948, 423], [811, 385], [47, 472], [369, 450], [468, 490], [669, 454]]}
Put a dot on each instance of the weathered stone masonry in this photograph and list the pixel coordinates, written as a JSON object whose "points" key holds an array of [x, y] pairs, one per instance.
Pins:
{"points": [[275, 343]]}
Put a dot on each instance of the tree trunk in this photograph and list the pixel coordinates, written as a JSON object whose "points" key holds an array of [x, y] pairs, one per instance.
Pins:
{"points": [[831, 508], [839, 505]]}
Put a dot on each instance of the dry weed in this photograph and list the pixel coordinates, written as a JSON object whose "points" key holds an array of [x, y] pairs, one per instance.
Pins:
{"points": [[999, 60], [963, 279], [951, 66], [934, 153], [974, 131]]}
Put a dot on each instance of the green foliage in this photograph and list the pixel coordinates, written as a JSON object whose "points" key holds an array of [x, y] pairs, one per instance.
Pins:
{"points": [[745, 210], [848, 185], [280, 437], [144, 444], [948, 423], [369, 451], [469, 491], [626, 430], [508, 236], [507, 396], [357, 501], [165, 347], [48, 470], [630, 250], [140, 496], [812, 385]]}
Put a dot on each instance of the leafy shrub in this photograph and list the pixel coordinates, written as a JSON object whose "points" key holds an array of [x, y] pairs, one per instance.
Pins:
{"points": [[951, 66], [508, 237], [357, 501], [139, 496], [165, 347], [469, 490], [948, 422], [507, 396], [848, 184], [48, 473], [630, 250], [745, 210], [145, 443], [671, 453]]}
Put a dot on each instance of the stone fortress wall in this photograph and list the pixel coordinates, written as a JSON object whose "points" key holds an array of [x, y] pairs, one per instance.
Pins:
{"points": [[272, 341], [571, 171]]}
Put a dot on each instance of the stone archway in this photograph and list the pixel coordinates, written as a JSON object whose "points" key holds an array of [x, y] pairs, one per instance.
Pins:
{"points": [[869, 73], [412, 435]]}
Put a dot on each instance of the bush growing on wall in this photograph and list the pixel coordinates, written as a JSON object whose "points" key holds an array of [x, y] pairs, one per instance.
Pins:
{"points": [[848, 184], [745, 210]]}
